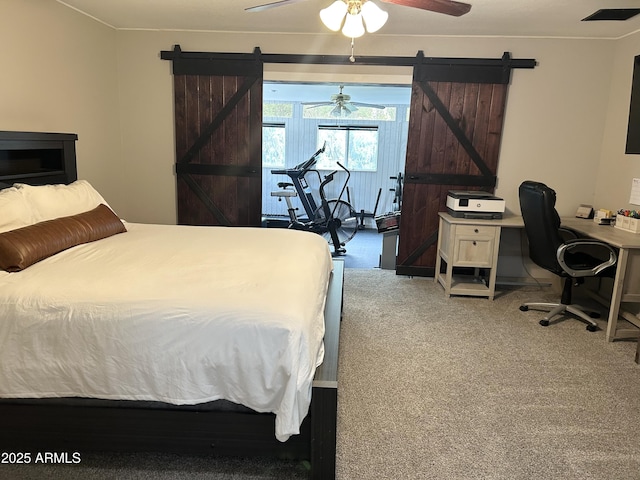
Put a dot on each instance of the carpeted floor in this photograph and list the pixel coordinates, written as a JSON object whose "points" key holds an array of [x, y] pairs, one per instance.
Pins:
{"points": [[437, 388], [364, 249], [466, 388]]}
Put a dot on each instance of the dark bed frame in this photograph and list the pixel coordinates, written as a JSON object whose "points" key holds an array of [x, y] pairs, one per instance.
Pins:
{"points": [[42, 425]]}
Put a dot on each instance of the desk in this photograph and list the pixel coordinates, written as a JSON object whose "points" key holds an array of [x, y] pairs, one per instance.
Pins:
{"points": [[626, 286], [473, 243]]}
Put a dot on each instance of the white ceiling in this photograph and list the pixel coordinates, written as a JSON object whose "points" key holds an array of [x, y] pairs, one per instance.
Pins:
{"points": [[529, 18]]}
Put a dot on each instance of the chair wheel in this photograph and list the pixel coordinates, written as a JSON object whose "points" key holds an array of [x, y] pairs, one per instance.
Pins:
{"points": [[594, 314], [524, 308], [592, 328], [544, 323]]}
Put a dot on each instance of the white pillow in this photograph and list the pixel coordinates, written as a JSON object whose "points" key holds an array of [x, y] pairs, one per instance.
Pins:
{"points": [[15, 211], [54, 201]]}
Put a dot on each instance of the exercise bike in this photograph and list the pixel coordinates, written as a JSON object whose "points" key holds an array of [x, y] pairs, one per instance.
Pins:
{"points": [[334, 219]]}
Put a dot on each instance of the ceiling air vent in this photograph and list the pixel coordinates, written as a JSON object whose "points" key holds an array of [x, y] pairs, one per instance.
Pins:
{"points": [[612, 14]]}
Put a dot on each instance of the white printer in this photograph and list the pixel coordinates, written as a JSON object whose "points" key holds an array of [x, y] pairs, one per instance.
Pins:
{"points": [[474, 204]]}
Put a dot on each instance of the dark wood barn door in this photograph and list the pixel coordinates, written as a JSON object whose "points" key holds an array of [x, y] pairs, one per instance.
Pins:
{"points": [[455, 128], [454, 137], [218, 124]]}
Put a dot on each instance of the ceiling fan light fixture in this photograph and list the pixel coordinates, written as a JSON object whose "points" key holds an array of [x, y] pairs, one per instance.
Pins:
{"points": [[353, 27], [374, 17], [333, 15], [353, 16]]}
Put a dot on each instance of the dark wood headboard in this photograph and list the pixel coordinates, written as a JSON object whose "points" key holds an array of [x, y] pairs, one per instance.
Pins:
{"points": [[37, 158]]}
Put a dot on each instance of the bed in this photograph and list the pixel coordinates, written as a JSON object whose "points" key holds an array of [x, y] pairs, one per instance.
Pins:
{"points": [[159, 337]]}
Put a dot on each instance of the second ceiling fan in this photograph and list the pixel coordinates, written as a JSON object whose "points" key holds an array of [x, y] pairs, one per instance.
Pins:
{"points": [[343, 105]]}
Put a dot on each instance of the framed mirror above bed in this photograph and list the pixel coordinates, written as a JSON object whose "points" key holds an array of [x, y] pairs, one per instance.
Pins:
{"points": [[37, 158]]}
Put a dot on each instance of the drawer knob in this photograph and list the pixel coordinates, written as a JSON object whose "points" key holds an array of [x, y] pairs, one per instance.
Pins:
{"points": [[476, 230], [474, 243]]}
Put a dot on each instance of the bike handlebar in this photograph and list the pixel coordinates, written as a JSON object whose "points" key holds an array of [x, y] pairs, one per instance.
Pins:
{"points": [[306, 165]]}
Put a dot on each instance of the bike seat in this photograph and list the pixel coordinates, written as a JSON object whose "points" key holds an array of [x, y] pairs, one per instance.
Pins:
{"points": [[284, 184]]}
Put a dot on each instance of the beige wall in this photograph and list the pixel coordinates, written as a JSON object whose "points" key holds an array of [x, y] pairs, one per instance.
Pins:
{"points": [[59, 74], [616, 169], [78, 75]]}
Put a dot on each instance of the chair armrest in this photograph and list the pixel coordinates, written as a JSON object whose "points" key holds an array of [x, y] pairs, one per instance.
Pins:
{"points": [[595, 266]]}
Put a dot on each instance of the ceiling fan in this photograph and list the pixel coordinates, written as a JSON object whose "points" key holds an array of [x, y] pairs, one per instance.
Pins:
{"points": [[343, 105], [448, 7]]}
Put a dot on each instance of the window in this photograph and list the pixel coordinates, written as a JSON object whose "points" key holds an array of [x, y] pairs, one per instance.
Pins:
{"points": [[388, 114], [273, 145], [275, 109], [354, 147]]}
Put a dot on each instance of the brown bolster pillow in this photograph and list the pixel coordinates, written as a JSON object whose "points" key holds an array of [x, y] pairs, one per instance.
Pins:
{"points": [[25, 246]]}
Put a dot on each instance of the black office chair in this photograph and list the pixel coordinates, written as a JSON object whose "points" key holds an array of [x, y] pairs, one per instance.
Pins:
{"points": [[567, 258]]}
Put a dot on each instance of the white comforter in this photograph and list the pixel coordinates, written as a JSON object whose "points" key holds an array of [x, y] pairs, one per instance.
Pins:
{"points": [[176, 314]]}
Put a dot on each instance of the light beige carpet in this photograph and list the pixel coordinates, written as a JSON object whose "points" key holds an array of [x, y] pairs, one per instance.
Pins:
{"points": [[466, 388]]}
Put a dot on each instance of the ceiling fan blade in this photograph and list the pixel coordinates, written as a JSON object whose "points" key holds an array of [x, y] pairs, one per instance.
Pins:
{"points": [[448, 7], [316, 104], [369, 105], [267, 6]]}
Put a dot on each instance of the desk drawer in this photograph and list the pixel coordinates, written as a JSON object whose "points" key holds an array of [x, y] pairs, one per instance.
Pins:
{"points": [[475, 230], [473, 253], [474, 246]]}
